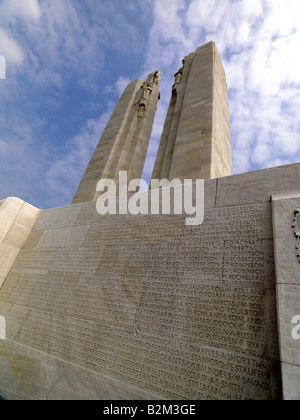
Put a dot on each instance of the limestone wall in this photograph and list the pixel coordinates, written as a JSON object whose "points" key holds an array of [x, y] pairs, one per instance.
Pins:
{"points": [[16, 221], [145, 307]]}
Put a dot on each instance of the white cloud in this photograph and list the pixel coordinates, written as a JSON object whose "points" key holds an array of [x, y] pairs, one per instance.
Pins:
{"points": [[121, 84], [258, 41], [59, 48], [24, 9], [64, 174], [14, 14], [3, 147], [10, 49], [57, 35], [36, 168]]}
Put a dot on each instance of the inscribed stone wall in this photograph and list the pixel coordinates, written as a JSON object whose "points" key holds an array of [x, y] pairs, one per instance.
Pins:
{"points": [[145, 305]]}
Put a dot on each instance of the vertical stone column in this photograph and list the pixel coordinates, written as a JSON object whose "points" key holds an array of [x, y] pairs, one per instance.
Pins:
{"points": [[196, 138], [167, 143], [124, 143]]}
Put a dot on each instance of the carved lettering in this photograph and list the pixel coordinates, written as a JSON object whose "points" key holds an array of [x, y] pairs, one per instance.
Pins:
{"points": [[181, 312]]}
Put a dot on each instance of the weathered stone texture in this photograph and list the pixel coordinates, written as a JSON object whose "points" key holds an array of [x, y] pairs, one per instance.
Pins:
{"points": [[194, 308], [146, 307], [189, 310]]}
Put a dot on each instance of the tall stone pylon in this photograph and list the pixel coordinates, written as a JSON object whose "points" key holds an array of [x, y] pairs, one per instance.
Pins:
{"points": [[195, 143], [124, 143]]}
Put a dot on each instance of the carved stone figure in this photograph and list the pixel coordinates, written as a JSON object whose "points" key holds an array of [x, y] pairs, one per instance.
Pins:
{"points": [[141, 110], [174, 96], [177, 82], [156, 77], [147, 90], [139, 95], [178, 76]]}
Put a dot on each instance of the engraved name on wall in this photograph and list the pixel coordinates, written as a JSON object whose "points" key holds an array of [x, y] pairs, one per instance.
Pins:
{"points": [[181, 312]]}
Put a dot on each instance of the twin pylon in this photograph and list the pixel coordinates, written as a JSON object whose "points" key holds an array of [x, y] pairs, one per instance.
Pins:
{"points": [[195, 142]]}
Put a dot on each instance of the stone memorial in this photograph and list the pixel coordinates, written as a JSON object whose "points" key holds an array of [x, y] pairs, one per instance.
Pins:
{"points": [[195, 142], [124, 306], [124, 143]]}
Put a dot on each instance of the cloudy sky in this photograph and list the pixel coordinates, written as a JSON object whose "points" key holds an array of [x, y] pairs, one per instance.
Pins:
{"points": [[68, 61]]}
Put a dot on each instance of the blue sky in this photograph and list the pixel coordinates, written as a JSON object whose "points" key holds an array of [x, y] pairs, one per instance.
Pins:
{"points": [[68, 61]]}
